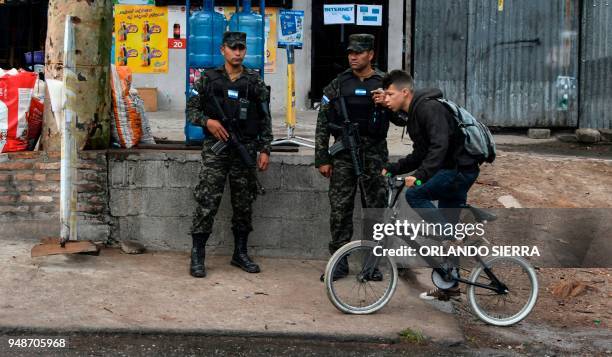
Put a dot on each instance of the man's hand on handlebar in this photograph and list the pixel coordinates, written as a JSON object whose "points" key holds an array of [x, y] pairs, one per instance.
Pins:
{"points": [[411, 181], [217, 130], [326, 170]]}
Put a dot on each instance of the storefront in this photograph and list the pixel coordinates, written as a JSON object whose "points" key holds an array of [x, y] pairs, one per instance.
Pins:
{"points": [[314, 69]]}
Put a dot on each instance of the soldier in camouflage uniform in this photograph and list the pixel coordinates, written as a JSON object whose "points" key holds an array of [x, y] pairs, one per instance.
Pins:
{"points": [[359, 86], [243, 97]]}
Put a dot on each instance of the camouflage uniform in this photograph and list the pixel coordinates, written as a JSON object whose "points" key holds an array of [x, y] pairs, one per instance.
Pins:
{"points": [[215, 168], [343, 182]]}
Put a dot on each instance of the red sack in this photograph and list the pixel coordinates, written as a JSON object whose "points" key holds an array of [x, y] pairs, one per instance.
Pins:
{"points": [[16, 89], [35, 122]]}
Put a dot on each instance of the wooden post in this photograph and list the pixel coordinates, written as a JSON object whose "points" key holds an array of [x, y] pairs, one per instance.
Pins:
{"points": [[93, 22]]}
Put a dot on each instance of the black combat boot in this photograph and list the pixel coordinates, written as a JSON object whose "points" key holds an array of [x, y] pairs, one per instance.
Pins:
{"points": [[240, 258], [341, 271], [198, 252]]}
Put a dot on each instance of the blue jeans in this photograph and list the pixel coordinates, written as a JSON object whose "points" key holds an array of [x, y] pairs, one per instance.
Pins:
{"points": [[449, 188]]}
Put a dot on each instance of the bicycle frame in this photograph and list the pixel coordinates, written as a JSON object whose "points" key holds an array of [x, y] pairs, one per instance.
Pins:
{"points": [[395, 187]]}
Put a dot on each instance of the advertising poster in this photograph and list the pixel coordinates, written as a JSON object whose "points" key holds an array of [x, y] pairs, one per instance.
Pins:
{"points": [[339, 14], [177, 28], [271, 41], [141, 38], [291, 28]]}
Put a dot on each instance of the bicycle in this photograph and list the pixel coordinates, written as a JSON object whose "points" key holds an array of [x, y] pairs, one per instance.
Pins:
{"points": [[490, 279]]}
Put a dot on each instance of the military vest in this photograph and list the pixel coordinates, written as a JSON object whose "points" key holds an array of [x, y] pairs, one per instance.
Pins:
{"points": [[237, 99], [360, 107]]}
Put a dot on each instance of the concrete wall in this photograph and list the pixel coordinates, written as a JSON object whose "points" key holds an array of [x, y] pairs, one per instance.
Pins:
{"points": [[147, 195], [171, 85], [151, 200]]}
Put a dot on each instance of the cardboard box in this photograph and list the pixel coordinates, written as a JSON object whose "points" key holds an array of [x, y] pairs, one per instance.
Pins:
{"points": [[149, 96]]}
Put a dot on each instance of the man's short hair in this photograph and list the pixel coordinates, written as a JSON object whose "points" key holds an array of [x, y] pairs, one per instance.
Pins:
{"points": [[400, 79]]}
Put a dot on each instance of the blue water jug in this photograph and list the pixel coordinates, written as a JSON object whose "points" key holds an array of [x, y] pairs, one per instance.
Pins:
{"points": [[206, 36], [252, 24]]}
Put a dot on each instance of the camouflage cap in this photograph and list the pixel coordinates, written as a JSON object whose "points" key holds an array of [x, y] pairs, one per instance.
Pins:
{"points": [[360, 42], [232, 39]]}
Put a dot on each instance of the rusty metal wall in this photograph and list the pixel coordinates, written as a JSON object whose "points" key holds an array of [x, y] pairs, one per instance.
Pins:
{"points": [[596, 66], [523, 62], [440, 45], [513, 65]]}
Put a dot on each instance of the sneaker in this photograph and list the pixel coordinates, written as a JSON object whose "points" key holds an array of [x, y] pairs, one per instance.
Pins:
{"points": [[441, 294]]}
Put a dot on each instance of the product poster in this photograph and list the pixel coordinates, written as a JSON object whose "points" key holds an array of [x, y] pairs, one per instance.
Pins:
{"points": [[177, 27], [271, 41], [141, 38]]}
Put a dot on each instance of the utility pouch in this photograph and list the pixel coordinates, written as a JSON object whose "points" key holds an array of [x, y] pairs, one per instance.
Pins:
{"points": [[244, 109]]}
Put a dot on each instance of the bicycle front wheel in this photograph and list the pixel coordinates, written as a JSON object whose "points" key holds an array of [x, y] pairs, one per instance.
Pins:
{"points": [[504, 309], [358, 292]]}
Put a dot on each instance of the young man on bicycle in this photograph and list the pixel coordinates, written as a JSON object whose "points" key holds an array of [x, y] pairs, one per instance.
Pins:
{"points": [[443, 170]]}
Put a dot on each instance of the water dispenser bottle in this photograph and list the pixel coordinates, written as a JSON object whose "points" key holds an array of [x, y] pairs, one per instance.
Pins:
{"points": [[252, 24], [206, 36]]}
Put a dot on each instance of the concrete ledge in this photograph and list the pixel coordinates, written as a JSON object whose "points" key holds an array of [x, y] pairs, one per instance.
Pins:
{"points": [[151, 199]]}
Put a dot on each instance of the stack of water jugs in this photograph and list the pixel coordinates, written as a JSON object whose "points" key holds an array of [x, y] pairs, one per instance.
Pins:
{"points": [[205, 39]]}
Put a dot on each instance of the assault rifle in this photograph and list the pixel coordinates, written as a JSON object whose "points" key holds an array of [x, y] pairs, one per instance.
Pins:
{"points": [[349, 140], [234, 141]]}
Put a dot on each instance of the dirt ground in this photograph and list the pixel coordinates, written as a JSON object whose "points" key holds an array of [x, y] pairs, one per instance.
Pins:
{"points": [[579, 325]]}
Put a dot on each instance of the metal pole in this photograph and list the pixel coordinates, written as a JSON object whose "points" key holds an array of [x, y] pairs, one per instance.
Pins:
{"points": [[262, 10], [68, 193], [187, 32]]}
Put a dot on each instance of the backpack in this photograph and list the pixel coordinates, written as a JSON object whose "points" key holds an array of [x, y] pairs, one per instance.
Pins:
{"points": [[478, 140]]}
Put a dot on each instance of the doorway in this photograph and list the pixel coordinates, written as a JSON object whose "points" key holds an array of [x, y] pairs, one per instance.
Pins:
{"points": [[329, 44]]}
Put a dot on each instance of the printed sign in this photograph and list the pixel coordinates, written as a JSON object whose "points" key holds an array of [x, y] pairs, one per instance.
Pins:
{"points": [[177, 26], [291, 23], [141, 38], [369, 15], [339, 14]]}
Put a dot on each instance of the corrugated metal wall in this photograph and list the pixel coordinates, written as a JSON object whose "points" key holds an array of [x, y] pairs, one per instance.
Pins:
{"points": [[518, 67], [596, 68], [440, 42], [519, 60]]}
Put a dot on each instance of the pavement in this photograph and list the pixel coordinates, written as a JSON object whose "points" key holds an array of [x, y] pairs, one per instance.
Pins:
{"points": [[169, 125], [153, 293]]}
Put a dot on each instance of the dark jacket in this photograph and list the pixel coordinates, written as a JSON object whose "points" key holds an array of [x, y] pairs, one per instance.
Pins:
{"points": [[437, 144]]}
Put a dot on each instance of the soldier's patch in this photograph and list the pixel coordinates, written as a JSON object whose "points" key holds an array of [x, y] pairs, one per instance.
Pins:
{"points": [[324, 100], [233, 94], [361, 91]]}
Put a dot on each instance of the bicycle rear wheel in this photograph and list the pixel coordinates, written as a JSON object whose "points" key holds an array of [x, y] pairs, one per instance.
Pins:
{"points": [[356, 294], [504, 309]]}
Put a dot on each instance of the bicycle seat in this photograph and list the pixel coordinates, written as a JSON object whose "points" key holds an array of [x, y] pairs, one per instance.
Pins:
{"points": [[481, 215]]}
